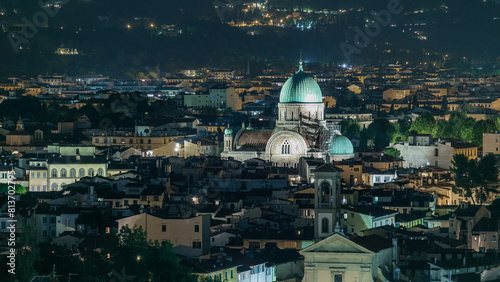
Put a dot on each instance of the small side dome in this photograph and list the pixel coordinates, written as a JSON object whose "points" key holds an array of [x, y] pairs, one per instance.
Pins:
{"points": [[341, 145], [228, 131]]}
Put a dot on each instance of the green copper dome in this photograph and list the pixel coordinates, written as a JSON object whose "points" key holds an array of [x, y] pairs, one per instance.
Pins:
{"points": [[228, 131], [341, 145], [301, 88]]}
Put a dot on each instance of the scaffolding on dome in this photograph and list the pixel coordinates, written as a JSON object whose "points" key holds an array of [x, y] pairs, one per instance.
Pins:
{"points": [[326, 135]]}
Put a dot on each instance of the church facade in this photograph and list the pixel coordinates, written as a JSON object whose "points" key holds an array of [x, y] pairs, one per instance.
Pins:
{"points": [[300, 131]]}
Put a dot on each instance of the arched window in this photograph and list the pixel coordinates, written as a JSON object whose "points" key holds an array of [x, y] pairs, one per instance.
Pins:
{"points": [[100, 172], [54, 172], [54, 187], [63, 185], [63, 173], [72, 173], [324, 225], [81, 173], [325, 193], [286, 148], [91, 172], [436, 152], [77, 151]]}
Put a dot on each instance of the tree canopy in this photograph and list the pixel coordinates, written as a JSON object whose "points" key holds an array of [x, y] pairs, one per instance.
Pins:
{"points": [[146, 260], [382, 132], [424, 124], [458, 125], [472, 177], [350, 128]]}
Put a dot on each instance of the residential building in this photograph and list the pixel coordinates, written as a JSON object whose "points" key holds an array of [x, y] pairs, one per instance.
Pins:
{"points": [[356, 219], [491, 143], [423, 150], [485, 235], [393, 94], [189, 236], [464, 219]]}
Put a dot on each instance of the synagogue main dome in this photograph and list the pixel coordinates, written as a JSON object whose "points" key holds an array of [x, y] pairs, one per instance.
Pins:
{"points": [[301, 88]]}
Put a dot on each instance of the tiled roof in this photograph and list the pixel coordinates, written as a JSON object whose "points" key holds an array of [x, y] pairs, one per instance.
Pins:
{"points": [[328, 168], [254, 137]]}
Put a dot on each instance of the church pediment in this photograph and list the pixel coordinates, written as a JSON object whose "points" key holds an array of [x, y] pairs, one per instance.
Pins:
{"points": [[336, 243]]}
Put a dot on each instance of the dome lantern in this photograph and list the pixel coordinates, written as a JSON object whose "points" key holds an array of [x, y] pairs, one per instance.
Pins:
{"points": [[228, 130]]}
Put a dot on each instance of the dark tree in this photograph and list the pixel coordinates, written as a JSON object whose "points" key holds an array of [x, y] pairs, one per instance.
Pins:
{"points": [[382, 132], [350, 128], [444, 105], [473, 179], [462, 168]]}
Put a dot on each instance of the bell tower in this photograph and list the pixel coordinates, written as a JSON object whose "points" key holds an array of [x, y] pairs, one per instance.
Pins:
{"points": [[228, 139], [20, 125], [327, 202]]}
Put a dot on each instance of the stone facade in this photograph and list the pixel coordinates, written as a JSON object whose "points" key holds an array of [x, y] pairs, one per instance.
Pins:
{"points": [[301, 121], [337, 258]]}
